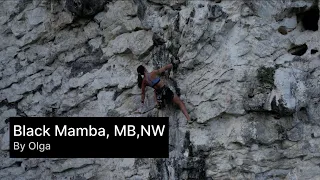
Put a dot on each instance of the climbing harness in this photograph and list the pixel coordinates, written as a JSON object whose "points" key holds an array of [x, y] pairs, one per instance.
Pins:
{"points": [[164, 96]]}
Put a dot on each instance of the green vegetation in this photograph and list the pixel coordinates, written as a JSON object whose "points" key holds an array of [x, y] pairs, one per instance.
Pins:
{"points": [[266, 76]]}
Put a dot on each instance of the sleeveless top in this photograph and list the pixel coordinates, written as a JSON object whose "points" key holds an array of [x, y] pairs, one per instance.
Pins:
{"points": [[154, 82]]}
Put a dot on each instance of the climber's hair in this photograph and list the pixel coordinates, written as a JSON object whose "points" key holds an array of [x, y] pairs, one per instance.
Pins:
{"points": [[140, 71]]}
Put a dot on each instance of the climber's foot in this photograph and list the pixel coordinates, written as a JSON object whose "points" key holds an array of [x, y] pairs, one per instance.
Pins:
{"points": [[189, 124], [158, 106], [193, 117]]}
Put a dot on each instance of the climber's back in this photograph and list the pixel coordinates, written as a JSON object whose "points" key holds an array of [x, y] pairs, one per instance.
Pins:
{"points": [[152, 79]]}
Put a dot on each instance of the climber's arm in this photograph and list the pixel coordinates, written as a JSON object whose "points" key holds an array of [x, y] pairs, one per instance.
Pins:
{"points": [[143, 91], [164, 68]]}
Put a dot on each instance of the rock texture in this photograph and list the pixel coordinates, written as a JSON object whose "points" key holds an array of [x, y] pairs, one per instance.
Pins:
{"points": [[249, 74]]}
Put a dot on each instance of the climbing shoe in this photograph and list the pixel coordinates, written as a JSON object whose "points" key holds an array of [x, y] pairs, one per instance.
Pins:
{"points": [[158, 106]]}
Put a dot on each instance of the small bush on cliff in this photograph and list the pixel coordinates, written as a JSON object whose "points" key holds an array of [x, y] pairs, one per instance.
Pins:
{"points": [[266, 76]]}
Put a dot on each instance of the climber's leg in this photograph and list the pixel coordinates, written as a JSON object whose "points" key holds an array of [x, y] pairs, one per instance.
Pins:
{"points": [[155, 98], [183, 108]]}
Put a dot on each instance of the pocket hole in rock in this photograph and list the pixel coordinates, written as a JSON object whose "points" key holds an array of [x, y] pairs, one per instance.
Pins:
{"points": [[310, 18], [314, 51], [298, 50], [282, 30]]}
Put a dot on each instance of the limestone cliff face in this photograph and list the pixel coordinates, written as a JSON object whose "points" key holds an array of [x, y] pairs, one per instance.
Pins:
{"points": [[249, 74]]}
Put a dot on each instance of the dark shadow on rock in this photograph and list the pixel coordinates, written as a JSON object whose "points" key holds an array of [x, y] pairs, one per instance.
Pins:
{"points": [[280, 109], [314, 51], [298, 50], [215, 12], [85, 8], [86, 64], [310, 19], [141, 8]]}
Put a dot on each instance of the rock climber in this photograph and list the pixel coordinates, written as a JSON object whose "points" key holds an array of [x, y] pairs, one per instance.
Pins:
{"points": [[162, 92]]}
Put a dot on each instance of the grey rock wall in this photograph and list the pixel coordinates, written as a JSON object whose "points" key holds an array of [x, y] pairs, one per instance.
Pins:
{"points": [[249, 74]]}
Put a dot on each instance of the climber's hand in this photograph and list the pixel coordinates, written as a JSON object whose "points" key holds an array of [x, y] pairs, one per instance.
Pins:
{"points": [[174, 64], [171, 75]]}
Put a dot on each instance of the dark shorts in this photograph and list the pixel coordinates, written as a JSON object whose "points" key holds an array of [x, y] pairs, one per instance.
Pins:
{"points": [[164, 94]]}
